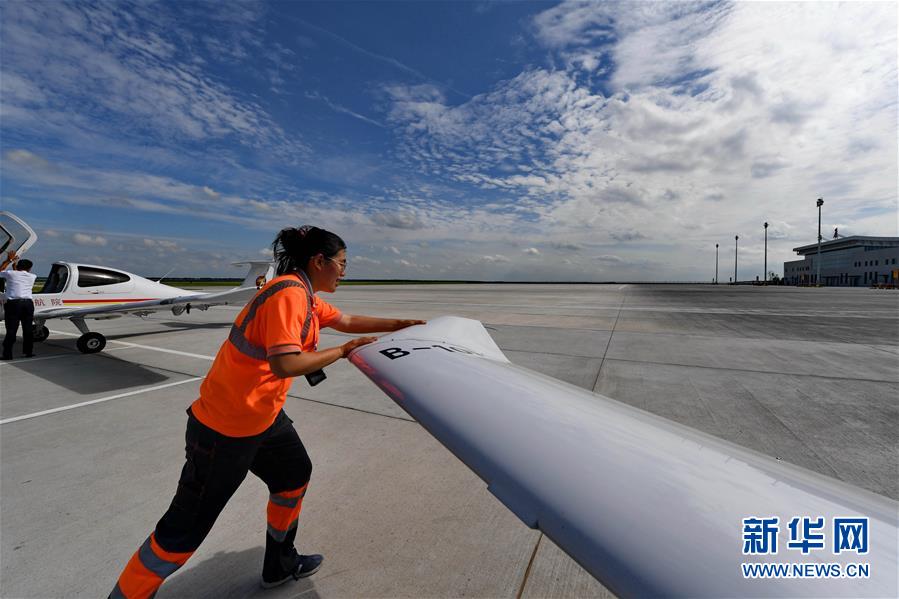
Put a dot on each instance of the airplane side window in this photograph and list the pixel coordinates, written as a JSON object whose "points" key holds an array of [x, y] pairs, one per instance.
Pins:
{"points": [[96, 277], [56, 280]]}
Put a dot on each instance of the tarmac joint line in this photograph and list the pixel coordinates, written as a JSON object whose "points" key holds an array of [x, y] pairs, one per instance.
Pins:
{"points": [[527, 571]]}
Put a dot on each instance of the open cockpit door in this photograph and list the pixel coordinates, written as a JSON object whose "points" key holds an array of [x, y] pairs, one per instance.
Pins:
{"points": [[57, 279], [15, 234]]}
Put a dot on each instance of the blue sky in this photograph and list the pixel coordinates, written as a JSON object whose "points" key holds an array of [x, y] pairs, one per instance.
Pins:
{"points": [[472, 140]]}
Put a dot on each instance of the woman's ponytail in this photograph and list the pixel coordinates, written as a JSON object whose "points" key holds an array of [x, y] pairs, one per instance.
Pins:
{"points": [[293, 247]]}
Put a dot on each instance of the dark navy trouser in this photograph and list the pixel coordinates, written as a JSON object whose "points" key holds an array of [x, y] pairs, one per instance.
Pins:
{"points": [[17, 311], [215, 467]]}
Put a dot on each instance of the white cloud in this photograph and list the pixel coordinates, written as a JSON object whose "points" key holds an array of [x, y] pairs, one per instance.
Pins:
{"points": [[122, 64], [532, 251], [27, 159], [399, 220], [717, 117], [609, 258], [161, 244], [88, 240]]}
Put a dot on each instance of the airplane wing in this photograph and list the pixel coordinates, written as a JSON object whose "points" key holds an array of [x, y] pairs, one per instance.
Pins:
{"points": [[647, 506], [201, 301]]}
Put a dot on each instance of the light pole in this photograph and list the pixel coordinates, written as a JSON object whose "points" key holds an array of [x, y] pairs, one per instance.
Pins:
{"points": [[716, 264], [736, 244], [818, 276], [766, 253]]}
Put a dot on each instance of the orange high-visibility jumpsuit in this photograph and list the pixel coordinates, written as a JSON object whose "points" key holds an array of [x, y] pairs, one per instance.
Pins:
{"points": [[237, 426]]}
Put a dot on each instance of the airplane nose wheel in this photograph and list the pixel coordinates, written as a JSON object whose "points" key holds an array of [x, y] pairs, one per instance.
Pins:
{"points": [[91, 343], [40, 333]]}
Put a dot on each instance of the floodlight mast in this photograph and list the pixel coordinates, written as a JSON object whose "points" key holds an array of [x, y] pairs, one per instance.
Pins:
{"points": [[736, 249], [716, 264], [818, 276], [766, 253]]}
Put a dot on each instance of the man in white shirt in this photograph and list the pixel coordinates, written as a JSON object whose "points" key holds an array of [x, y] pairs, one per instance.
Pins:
{"points": [[19, 307]]}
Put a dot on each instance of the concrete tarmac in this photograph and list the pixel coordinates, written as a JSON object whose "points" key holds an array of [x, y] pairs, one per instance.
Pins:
{"points": [[91, 446]]}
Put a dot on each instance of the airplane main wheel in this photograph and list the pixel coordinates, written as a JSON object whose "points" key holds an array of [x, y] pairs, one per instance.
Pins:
{"points": [[91, 343], [40, 333]]}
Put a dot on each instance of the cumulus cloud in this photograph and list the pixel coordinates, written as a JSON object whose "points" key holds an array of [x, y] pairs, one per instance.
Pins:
{"points": [[609, 258], [716, 117], [88, 240], [161, 244], [25, 158], [532, 251], [627, 235], [127, 65], [570, 247], [398, 220]]}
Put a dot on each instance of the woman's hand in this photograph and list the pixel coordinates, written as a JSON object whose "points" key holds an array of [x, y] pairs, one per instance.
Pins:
{"points": [[352, 344], [402, 324]]}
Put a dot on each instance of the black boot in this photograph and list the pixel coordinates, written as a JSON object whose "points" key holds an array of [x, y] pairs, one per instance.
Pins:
{"points": [[283, 563]]}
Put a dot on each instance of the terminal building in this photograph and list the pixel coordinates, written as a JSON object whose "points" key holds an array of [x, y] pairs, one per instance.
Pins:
{"points": [[855, 261]]}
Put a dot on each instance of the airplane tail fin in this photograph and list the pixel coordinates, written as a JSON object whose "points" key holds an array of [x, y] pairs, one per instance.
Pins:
{"points": [[260, 272]]}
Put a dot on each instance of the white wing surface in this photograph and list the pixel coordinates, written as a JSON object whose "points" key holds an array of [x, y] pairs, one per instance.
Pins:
{"points": [[647, 506]]}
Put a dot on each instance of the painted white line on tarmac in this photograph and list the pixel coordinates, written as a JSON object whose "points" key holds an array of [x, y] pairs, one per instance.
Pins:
{"points": [[53, 357], [150, 347], [101, 400]]}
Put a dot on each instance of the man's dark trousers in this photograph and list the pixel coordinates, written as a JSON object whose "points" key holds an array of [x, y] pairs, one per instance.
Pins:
{"points": [[18, 311]]}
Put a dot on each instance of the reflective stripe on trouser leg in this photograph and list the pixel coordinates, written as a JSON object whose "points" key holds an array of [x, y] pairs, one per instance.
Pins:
{"points": [[284, 511], [147, 568]]}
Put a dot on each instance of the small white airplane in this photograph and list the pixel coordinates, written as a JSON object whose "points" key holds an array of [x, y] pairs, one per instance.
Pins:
{"points": [[86, 291]]}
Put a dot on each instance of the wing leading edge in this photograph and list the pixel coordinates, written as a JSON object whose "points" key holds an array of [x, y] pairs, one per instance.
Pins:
{"points": [[647, 506]]}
